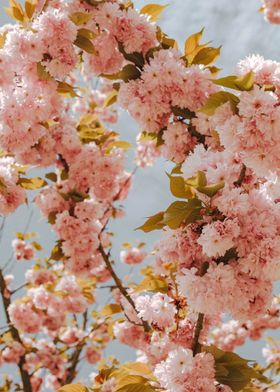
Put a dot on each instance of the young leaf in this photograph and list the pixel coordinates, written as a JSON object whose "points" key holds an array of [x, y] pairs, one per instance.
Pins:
{"points": [[153, 223], [179, 188], [110, 309], [43, 73], [30, 6], [80, 18], [110, 99], [192, 42], [232, 370], [182, 212], [85, 44], [32, 183], [153, 11], [73, 388], [152, 283], [137, 387], [66, 89], [207, 56], [218, 99], [242, 83], [51, 176]]}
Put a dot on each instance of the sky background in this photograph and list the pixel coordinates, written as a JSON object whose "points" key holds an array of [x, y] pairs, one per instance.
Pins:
{"points": [[241, 30]]}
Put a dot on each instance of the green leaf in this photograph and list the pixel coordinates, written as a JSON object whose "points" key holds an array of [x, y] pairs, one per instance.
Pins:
{"points": [[153, 11], [242, 83], [85, 44], [86, 33], [179, 188], [128, 73], [232, 370], [218, 99], [182, 212], [185, 113], [197, 181], [153, 223], [211, 190], [110, 309], [206, 56], [32, 183]]}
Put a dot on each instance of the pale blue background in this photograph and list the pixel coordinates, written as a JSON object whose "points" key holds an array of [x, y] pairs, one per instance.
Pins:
{"points": [[241, 30]]}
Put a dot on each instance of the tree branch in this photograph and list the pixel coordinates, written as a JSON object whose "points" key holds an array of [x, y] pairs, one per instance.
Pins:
{"points": [[195, 343], [120, 285], [25, 378], [72, 371]]}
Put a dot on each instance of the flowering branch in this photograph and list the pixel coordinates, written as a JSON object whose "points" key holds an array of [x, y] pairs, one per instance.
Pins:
{"points": [[119, 284], [15, 334]]}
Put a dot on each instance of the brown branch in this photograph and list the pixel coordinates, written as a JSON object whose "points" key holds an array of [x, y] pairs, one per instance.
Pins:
{"points": [[196, 346], [120, 285], [198, 328], [241, 176], [72, 371], [25, 378]]}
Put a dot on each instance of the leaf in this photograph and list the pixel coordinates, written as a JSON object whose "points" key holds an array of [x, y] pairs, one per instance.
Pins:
{"points": [[73, 388], [51, 176], [79, 18], [192, 42], [30, 7], [57, 253], [185, 113], [243, 83], [43, 73], [152, 283], [128, 379], [128, 73], [211, 190], [110, 309], [119, 144], [217, 99], [86, 33], [153, 223], [153, 11], [232, 370], [85, 44], [66, 89], [179, 188], [207, 56], [197, 181], [139, 368], [52, 217], [137, 387], [32, 183], [182, 212], [36, 245], [110, 99], [15, 11]]}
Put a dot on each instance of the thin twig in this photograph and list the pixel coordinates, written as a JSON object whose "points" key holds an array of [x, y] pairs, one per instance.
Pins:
{"points": [[15, 334], [119, 284]]}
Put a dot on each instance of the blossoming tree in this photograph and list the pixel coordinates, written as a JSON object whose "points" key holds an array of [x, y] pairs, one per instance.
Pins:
{"points": [[219, 251]]}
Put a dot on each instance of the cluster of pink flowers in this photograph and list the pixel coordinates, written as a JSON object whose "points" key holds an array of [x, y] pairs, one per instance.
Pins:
{"points": [[234, 333], [182, 371], [133, 255], [48, 309], [272, 10], [22, 250], [166, 83], [11, 194]]}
